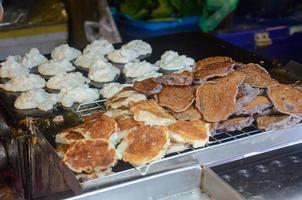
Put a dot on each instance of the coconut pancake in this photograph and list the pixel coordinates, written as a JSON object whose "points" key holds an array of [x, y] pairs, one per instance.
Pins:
{"points": [[216, 101], [176, 98], [192, 113], [280, 121], [212, 60], [183, 78], [144, 145], [95, 126], [245, 95], [89, 156], [117, 113], [236, 76], [147, 86], [256, 106], [257, 76], [217, 69], [151, 113], [286, 98], [70, 135], [195, 133], [236, 123], [124, 99], [128, 123]]}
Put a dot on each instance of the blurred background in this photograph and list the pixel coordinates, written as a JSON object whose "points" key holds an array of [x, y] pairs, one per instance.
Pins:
{"points": [[270, 28]]}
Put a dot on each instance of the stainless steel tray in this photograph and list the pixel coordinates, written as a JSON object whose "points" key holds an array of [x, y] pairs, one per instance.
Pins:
{"points": [[187, 182]]}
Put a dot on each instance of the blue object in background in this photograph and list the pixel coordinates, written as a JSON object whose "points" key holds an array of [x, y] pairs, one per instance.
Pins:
{"points": [[137, 29], [286, 42]]}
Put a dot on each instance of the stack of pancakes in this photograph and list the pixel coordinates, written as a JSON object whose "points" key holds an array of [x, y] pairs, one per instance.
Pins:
{"points": [[177, 111]]}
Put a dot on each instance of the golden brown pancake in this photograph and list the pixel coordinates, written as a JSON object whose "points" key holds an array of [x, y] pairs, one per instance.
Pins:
{"points": [[184, 78], [151, 113], [271, 122], [194, 132], [147, 86], [70, 135], [192, 113], [212, 60], [286, 98], [176, 98], [124, 99], [257, 76], [236, 76], [216, 101], [235, 123], [218, 69], [128, 123], [95, 126], [89, 156], [144, 145], [257, 105]]}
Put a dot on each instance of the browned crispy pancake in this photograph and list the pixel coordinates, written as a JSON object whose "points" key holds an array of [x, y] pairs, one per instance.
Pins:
{"points": [[124, 99], [195, 133], [203, 72], [191, 113], [236, 123], [128, 123], [147, 87], [246, 94], [286, 98], [89, 156], [236, 76], [257, 76], [216, 101], [257, 105], [212, 60], [94, 126], [176, 98], [144, 145], [271, 122], [151, 113], [184, 78]]}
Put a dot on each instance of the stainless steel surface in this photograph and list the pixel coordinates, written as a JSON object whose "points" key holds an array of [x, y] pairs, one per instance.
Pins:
{"points": [[273, 175], [186, 182], [154, 187], [216, 187]]}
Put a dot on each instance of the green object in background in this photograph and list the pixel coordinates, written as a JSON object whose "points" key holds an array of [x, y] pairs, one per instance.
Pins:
{"points": [[214, 12], [159, 10]]}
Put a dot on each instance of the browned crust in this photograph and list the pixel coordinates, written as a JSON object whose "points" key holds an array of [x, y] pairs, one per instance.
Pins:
{"points": [[88, 155], [235, 76], [257, 76], [152, 107], [192, 113], [264, 121], [128, 123], [286, 98], [216, 101], [192, 130], [147, 87], [184, 78], [95, 126], [216, 69], [211, 60], [258, 101], [237, 123], [145, 144], [176, 98]]}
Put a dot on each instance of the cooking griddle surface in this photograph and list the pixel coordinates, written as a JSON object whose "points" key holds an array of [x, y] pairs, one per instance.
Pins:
{"points": [[273, 175], [193, 44]]}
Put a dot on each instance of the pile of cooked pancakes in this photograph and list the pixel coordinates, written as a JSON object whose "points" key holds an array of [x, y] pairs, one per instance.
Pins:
{"points": [[179, 110]]}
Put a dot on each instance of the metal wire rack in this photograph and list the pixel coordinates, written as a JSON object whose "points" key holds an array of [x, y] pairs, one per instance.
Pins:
{"points": [[219, 137]]}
